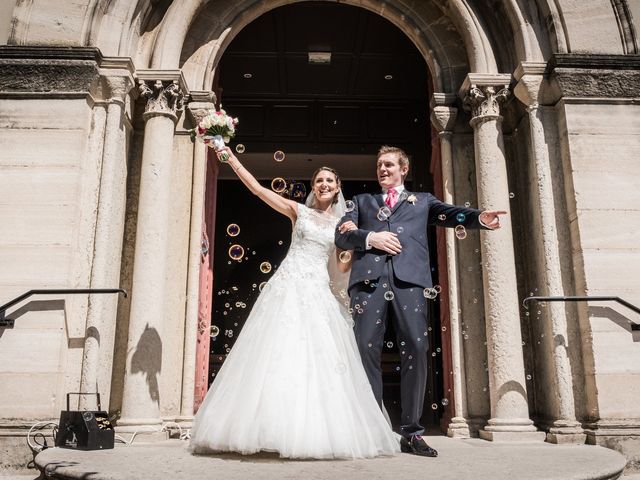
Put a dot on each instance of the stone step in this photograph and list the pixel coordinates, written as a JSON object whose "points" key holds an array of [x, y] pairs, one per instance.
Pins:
{"points": [[458, 459]]}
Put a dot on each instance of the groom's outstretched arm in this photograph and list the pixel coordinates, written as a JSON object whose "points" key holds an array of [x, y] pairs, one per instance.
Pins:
{"points": [[353, 239], [447, 215]]}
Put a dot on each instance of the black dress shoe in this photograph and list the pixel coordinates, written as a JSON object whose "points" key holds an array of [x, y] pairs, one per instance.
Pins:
{"points": [[416, 445]]}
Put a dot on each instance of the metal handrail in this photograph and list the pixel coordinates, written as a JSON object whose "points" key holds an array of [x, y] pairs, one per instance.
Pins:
{"points": [[634, 326], [50, 291]]}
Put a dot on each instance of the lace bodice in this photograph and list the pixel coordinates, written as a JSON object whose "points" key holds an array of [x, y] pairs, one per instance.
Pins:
{"points": [[311, 245]]}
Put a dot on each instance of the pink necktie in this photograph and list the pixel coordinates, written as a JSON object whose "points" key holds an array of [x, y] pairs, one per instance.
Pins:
{"points": [[392, 197]]}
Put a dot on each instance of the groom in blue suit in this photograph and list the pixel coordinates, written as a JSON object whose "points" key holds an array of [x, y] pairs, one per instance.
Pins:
{"points": [[390, 275]]}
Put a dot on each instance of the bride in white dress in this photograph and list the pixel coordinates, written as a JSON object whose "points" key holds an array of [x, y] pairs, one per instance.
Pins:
{"points": [[294, 382]]}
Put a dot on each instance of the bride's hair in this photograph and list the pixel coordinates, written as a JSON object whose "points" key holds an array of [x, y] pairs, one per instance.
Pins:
{"points": [[327, 169]]}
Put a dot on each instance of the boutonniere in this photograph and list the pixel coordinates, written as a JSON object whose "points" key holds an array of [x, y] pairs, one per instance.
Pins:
{"points": [[412, 199]]}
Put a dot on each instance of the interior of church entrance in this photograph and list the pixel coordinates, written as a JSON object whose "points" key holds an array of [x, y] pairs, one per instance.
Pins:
{"points": [[314, 84]]}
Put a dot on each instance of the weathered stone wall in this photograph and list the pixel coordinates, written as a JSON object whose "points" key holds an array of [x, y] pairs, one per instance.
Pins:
{"points": [[602, 140], [49, 176]]}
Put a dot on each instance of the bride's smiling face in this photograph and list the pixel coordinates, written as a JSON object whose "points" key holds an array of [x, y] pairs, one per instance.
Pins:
{"points": [[325, 186]]}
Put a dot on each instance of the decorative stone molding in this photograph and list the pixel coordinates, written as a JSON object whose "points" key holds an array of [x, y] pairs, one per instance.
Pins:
{"points": [[590, 76], [50, 71], [66, 72], [625, 25]]}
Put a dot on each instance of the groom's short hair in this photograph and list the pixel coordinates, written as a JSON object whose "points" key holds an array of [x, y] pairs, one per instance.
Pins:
{"points": [[403, 158]]}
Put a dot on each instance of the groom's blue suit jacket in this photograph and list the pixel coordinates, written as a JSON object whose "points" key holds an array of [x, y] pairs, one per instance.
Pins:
{"points": [[409, 219]]}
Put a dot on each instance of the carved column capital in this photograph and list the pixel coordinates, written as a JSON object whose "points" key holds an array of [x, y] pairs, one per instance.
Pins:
{"points": [[116, 79], [443, 118], [531, 82], [483, 94], [200, 102], [484, 102], [443, 113], [164, 97]]}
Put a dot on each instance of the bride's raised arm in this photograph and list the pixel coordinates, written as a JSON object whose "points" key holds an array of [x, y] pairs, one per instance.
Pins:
{"points": [[278, 203]]}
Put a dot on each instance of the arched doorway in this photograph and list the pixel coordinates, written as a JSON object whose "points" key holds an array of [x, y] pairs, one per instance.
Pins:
{"points": [[325, 97]]}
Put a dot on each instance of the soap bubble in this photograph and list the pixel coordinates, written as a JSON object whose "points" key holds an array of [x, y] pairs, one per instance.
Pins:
{"points": [[512, 195], [437, 288], [430, 293], [214, 331], [444, 402], [388, 296], [236, 252], [341, 368], [460, 217], [442, 217], [389, 344], [434, 406], [233, 230], [278, 185], [400, 229], [239, 148], [467, 204], [279, 156], [383, 213], [349, 206], [461, 232], [345, 256], [265, 267]]}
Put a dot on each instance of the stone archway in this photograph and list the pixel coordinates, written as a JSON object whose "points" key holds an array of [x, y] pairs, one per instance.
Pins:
{"points": [[180, 46], [198, 60], [212, 28]]}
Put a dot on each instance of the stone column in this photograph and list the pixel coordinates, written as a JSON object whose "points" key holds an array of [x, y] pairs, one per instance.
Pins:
{"points": [[201, 103], [443, 117], [565, 428], [163, 91], [508, 395], [117, 81]]}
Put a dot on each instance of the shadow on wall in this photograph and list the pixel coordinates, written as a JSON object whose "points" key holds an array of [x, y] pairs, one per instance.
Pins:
{"points": [[615, 317], [512, 386], [34, 306], [147, 359]]}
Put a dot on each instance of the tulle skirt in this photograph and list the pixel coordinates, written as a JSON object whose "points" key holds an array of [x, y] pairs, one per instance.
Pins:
{"points": [[294, 383]]}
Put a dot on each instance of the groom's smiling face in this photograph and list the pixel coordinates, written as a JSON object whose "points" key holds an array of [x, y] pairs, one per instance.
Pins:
{"points": [[390, 173]]}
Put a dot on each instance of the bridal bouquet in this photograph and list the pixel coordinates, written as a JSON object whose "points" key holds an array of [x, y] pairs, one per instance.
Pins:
{"points": [[215, 129]]}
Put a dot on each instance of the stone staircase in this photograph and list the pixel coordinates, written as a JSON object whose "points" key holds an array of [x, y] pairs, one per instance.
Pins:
{"points": [[458, 459]]}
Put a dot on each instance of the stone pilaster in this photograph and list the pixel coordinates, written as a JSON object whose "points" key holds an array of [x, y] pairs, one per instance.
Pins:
{"points": [[199, 105], [565, 428], [443, 117], [483, 94], [163, 92], [116, 84]]}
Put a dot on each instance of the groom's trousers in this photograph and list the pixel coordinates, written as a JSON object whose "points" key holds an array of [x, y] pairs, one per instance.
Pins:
{"points": [[373, 308]]}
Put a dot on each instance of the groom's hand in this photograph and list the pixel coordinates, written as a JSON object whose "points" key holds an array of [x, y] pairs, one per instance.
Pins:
{"points": [[385, 241], [490, 218]]}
